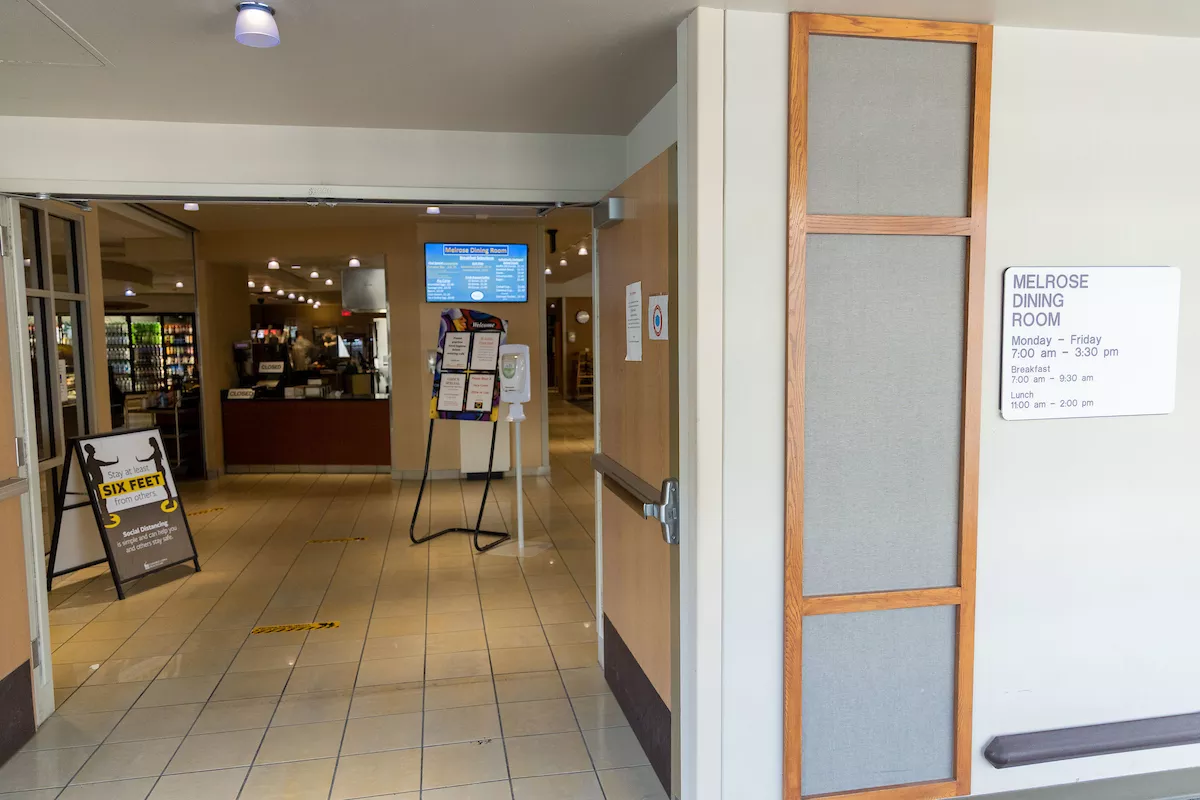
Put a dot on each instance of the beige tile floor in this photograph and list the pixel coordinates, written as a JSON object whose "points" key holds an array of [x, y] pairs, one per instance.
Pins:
{"points": [[452, 676]]}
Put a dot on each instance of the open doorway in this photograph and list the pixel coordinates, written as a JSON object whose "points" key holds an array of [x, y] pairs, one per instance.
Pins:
{"points": [[497, 641]]}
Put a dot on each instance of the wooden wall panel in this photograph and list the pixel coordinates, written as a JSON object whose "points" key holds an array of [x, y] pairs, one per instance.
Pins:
{"points": [[800, 224]]}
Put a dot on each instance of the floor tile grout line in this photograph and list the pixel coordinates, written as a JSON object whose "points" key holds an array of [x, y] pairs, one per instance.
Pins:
{"points": [[396, 493], [279, 701], [491, 667], [131, 707]]}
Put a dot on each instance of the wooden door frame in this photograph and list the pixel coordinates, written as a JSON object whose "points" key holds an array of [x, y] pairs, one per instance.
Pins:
{"points": [[972, 227]]}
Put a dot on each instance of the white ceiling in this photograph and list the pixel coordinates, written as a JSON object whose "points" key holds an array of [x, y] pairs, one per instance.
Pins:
{"points": [[548, 66]]}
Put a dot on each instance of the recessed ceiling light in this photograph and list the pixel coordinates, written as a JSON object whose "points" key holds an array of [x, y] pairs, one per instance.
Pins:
{"points": [[314, 274], [562, 263], [354, 262], [178, 284], [309, 301], [250, 284], [548, 271], [130, 293], [266, 288], [272, 264], [191, 206], [291, 295], [329, 281], [433, 210], [279, 292], [255, 26], [582, 251]]}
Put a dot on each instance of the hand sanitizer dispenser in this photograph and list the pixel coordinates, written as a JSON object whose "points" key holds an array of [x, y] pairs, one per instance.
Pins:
{"points": [[514, 379], [514, 390]]}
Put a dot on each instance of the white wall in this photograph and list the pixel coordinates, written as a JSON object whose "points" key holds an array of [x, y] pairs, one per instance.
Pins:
{"points": [[699, 323], [657, 131], [92, 157], [756, 88], [1088, 546]]}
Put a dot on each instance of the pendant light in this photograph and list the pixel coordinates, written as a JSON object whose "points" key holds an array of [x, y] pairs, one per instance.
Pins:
{"points": [[562, 263], [354, 262], [582, 250], [314, 274], [255, 26]]}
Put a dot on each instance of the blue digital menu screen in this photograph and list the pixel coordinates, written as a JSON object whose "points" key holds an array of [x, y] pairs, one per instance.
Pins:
{"points": [[481, 273]]}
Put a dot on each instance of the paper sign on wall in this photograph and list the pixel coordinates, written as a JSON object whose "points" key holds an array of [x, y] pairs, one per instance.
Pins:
{"points": [[1089, 341], [658, 318], [633, 322]]}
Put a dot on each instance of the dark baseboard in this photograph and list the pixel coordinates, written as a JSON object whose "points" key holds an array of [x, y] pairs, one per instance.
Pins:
{"points": [[648, 715], [17, 724]]}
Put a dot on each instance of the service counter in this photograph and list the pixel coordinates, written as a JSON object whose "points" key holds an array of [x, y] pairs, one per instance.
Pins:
{"points": [[306, 432]]}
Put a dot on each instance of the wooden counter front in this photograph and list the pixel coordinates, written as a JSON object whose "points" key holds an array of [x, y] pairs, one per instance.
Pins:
{"points": [[346, 432]]}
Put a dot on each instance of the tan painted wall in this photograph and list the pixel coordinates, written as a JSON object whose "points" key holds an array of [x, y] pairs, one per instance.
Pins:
{"points": [[14, 604], [413, 323], [224, 318]]}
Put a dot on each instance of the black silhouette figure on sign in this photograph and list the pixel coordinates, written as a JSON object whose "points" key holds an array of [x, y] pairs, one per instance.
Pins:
{"points": [[157, 457], [93, 467]]}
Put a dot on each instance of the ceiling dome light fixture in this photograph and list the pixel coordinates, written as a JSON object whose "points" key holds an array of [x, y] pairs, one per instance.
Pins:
{"points": [[300, 299], [329, 281], [191, 206], [548, 271], [314, 274], [255, 26], [291, 295], [279, 292], [250, 284], [178, 284], [562, 263], [433, 210], [266, 288], [130, 293], [317, 304], [582, 250], [272, 264], [354, 262], [309, 301]]}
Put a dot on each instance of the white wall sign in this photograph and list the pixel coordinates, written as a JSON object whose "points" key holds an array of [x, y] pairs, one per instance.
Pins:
{"points": [[1089, 341], [657, 321], [633, 321]]}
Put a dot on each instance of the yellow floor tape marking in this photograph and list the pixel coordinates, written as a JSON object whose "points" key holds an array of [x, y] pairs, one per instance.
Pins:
{"points": [[331, 541], [206, 511], [303, 626]]}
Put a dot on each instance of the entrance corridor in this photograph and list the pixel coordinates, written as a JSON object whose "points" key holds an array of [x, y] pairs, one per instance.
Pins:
{"points": [[451, 676]]}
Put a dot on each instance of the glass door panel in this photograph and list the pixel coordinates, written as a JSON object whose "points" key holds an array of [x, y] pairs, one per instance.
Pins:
{"points": [[71, 367], [41, 361]]}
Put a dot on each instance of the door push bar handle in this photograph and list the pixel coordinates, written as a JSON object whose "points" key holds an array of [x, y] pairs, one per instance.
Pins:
{"points": [[639, 495], [666, 510]]}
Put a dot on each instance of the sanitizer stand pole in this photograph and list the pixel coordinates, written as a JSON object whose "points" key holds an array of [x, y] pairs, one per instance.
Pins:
{"points": [[520, 495], [515, 415]]}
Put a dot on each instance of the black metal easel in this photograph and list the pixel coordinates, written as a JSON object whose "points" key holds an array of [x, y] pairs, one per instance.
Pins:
{"points": [[477, 531]]}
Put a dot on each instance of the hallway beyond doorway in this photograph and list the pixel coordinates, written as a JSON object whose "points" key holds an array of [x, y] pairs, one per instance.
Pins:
{"points": [[449, 676]]}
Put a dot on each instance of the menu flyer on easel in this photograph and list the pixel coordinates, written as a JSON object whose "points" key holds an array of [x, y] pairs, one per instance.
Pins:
{"points": [[464, 381]]}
